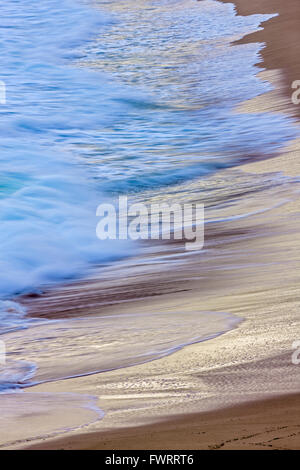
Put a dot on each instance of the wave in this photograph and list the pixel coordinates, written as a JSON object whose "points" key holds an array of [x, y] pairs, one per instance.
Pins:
{"points": [[85, 119]]}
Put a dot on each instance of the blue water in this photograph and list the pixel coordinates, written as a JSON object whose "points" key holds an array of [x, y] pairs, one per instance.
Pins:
{"points": [[113, 97]]}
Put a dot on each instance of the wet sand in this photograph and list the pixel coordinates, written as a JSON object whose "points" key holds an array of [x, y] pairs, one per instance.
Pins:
{"points": [[282, 45], [248, 364], [220, 393], [263, 425]]}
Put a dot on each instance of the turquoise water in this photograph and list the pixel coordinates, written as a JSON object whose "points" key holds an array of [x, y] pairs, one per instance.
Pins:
{"points": [[113, 97]]}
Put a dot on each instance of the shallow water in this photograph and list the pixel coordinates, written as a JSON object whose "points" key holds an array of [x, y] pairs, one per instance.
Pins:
{"points": [[70, 348], [38, 415]]}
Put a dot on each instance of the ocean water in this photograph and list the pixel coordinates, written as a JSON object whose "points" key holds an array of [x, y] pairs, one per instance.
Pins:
{"points": [[100, 99], [107, 98]]}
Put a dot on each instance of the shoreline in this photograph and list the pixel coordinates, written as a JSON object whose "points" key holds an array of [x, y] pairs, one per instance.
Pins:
{"points": [[268, 424], [282, 47], [247, 362]]}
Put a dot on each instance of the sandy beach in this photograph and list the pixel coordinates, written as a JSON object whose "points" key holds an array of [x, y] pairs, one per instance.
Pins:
{"points": [[240, 389], [263, 425]]}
